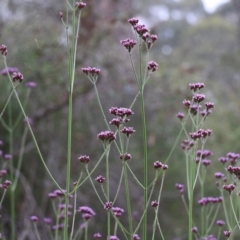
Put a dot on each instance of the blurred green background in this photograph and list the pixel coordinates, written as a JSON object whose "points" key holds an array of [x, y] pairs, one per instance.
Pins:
{"points": [[193, 46]]}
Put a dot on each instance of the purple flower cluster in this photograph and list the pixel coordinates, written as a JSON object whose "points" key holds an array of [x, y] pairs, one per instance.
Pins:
{"points": [[107, 136], [3, 50], [125, 156], [180, 187], [84, 159], [152, 66], [154, 203], [100, 179], [80, 5], [17, 77], [128, 44], [87, 212], [196, 86], [9, 70], [97, 236], [117, 211], [108, 205], [121, 112], [200, 134], [206, 200], [158, 164], [187, 144], [92, 73], [229, 188], [128, 131], [197, 98]]}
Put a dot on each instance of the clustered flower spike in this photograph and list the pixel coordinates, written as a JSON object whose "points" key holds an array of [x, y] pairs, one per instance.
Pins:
{"points": [[200, 134], [187, 144], [180, 187], [31, 84], [197, 98], [194, 229], [107, 136], [133, 21], [136, 237], [154, 203], [9, 70], [108, 205], [3, 50], [84, 159], [128, 44], [87, 212], [206, 200], [121, 112], [125, 156], [17, 77], [180, 115], [34, 218], [97, 236], [6, 184], [114, 238], [227, 233], [128, 131], [116, 121], [219, 175], [220, 223], [196, 86], [100, 179], [117, 211], [80, 5], [92, 73], [152, 66], [234, 170]]}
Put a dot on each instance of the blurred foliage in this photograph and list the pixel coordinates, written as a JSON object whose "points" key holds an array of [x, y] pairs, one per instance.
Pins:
{"points": [[193, 46]]}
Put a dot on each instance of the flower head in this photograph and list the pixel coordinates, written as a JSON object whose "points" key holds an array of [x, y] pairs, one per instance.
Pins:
{"points": [[128, 44], [3, 50]]}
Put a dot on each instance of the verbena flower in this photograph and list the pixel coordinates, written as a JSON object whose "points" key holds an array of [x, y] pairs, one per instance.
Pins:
{"points": [[3, 50], [128, 131], [154, 203], [9, 70], [117, 211], [80, 5], [100, 179], [84, 159], [220, 223], [152, 66], [85, 209], [108, 205], [125, 156], [196, 86], [97, 236], [34, 218], [107, 136], [128, 44]]}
